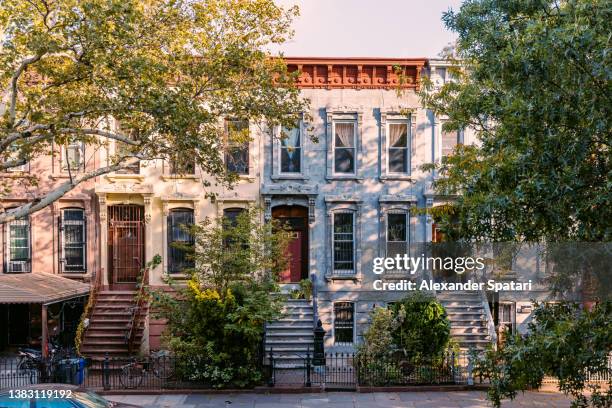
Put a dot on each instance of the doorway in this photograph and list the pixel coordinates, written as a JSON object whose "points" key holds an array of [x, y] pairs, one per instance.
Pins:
{"points": [[125, 242], [296, 219]]}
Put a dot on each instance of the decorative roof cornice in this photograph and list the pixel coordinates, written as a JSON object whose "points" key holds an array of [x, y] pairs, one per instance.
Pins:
{"points": [[357, 73]]}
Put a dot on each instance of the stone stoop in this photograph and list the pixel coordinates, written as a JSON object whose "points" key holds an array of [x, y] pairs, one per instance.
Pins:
{"points": [[108, 326], [468, 319], [290, 337]]}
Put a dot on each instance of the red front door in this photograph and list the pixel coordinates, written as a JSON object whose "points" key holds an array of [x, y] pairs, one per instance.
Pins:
{"points": [[296, 219], [293, 273]]}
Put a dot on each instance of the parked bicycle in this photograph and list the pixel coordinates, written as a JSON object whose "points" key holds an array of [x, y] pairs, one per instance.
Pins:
{"points": [[160, 363]]}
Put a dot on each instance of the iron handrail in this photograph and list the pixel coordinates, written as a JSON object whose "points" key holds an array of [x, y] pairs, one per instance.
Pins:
{"points": [[136, 311]]}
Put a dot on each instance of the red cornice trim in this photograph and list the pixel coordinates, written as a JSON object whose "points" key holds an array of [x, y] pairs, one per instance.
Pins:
{"points": [[356, 72]]}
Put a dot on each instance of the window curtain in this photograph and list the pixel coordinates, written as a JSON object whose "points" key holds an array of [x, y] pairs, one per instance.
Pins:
{"points": [[396, 131], [344, 134]]}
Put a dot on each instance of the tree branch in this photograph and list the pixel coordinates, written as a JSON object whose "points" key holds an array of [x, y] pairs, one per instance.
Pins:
{"points": [[14, 80], [54, 195]]}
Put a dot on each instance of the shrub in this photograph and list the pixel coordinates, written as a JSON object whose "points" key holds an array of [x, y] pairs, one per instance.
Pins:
{"points": [[215, 323], [424, 332]]}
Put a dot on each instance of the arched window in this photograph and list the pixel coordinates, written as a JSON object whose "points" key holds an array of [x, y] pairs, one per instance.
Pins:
{"points": [[179, 220], [18, 250], [73, 240]]}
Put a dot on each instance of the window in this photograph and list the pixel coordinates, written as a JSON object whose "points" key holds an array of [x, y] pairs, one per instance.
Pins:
{"points": [[18, 254], [506, 317], [344, 323], [73, 156], [344, 244], [398, 148], [181, 167], [448, 142], [344, 147], [178, 220], [125, 150], [291, 150], [397, 234], [13, 155], [237, 153], [73, 232], [231, 215]]}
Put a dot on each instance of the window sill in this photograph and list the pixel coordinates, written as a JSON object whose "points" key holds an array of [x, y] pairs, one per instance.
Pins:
{"points": [[398, 177], [167, 277], [337, 177], [15, 174], [131, 177], [170, 177], [353, 278], [296, 176], [56, 176], [247, 177]]}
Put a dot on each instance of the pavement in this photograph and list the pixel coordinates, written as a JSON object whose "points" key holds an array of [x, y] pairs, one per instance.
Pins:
{"points": [[463, 399]]}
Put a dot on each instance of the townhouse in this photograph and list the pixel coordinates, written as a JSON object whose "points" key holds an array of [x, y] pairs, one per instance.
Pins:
{"points": [[348, 197]]}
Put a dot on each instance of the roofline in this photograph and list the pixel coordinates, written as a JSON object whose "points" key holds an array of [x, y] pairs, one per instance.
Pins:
{"points": [[357, 60]]}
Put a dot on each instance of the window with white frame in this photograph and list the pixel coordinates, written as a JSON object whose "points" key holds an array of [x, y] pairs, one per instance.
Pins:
{"points": [[345, 147], [124, 152], [398, 145], [505, 318], [18, 254], [290, 150], [237, 150], [448, 141], [344, 323], [73, 230], [343, 243], [179, 221], [14, 155], [397, 233], [72, 155]]}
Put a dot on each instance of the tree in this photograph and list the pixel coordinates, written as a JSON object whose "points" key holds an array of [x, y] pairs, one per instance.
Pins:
{"points": [[166, 71], [535, 86], [215, 322], [564, 342]]}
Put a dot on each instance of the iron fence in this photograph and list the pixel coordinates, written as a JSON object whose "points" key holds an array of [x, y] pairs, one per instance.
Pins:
{"points": [[340, 371]]}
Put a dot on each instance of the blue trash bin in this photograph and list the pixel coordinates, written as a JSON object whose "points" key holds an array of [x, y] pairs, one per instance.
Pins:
{"points": [[80, 377]]}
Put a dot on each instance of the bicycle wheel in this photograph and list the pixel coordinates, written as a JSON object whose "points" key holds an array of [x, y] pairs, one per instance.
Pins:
{"points": [[131, 376], [27, 369], [163, 367]]}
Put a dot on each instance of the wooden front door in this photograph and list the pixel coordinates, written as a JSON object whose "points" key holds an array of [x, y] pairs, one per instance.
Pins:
{"points": [[296, 219], [125, 242]]}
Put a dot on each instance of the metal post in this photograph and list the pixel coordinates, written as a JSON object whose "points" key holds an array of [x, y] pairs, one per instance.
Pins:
{"points": [[319, 348], [470, 368], [106, 373], [308, 382], [271, 379]]}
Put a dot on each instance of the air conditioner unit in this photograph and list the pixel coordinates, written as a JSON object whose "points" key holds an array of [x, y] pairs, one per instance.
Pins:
{"points": [[18, 266]]}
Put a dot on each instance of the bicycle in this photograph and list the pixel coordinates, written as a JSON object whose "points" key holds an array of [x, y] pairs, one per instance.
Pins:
{"points": [[133, 373]]}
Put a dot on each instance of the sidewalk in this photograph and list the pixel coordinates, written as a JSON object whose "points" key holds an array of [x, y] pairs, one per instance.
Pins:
{"points": [[341, 400]]}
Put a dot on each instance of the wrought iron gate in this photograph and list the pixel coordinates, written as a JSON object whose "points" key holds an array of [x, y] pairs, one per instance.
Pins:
{"points": [[126, 242]]}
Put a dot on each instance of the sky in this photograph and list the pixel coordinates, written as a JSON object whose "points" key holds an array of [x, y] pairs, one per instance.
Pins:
{"points": [[369, 28]]}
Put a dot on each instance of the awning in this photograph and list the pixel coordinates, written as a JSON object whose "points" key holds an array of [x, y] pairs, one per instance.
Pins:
{"points": [[41, 288]]}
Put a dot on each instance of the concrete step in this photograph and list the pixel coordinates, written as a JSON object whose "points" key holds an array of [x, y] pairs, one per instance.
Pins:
{"points": [[290, 325]]}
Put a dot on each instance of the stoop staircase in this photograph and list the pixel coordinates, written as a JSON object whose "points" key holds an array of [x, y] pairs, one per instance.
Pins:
{"points": [[108, 325], [291, 336], [468, 317]]}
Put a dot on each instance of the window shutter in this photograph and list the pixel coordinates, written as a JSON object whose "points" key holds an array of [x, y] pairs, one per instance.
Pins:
{"points": [[61, 240]]}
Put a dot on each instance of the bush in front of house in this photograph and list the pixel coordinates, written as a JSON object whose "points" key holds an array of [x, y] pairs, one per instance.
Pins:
{"points": [[215, 321], [405, 343]]}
